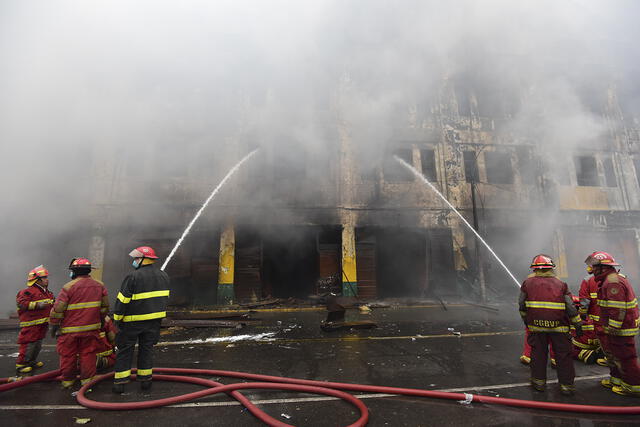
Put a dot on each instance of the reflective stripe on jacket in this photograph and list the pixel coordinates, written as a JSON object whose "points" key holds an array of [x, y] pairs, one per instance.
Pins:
{"points": [[81, 305], [27, 299], [144, 295], [618, 306], [543, 305]]}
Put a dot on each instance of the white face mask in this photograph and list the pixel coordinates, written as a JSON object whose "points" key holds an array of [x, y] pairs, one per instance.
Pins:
{"points": [[71, 274], [136, 263]]}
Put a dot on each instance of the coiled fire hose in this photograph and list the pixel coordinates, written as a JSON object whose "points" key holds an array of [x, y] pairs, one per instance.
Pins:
{"points": [[267, 382]]}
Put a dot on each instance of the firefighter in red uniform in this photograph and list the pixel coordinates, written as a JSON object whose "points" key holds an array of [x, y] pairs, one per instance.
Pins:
{"points": [[76, 319], [140, 306], [105, 355], [34, 304], [589, 309], [586, 348], [547, 310], [619, 321]]}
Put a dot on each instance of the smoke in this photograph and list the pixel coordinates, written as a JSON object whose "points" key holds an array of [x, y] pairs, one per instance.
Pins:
{"points": [[108, 110]]}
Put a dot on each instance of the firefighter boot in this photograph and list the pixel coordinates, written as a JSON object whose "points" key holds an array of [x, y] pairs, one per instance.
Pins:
{"points": [[23, 369], [538, 385], [567, 390], [624, 392], [606, 383], [525, 360], [117, 388], [145, 385]]}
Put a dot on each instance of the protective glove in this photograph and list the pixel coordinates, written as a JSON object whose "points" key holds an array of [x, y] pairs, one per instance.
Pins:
{"points": [[54, 330], [42, 304], [578, 327]]}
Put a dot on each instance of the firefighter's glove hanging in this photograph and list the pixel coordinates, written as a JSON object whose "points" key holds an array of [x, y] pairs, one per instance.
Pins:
{"points": [[578, 327], [54, 330]]}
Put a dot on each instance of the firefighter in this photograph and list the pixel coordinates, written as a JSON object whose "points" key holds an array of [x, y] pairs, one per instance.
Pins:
{"points": [[586, 348], [139, 309], [547, 310], [34, 304], [589, 309], [76, 319], [105, 354], [619, 322]]}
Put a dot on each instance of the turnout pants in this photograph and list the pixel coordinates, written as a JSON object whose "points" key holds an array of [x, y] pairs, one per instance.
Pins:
{"points": [[526, 350], [624, 368], [562, 347], [30, 340], [146, 333], [78, 347]]}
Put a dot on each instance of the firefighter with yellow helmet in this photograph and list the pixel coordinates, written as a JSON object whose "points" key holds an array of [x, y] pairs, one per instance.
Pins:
{"points": [[34, 303]]}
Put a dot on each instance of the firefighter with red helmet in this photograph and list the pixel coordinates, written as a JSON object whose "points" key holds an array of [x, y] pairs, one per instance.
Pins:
{"points": [[548, 312], [105, 354], [76, 319], [619, 321], [590, 310], [34, 304], [140, 306]]}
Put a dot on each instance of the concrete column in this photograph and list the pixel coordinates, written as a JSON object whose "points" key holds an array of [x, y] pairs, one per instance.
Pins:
{"points": [[349, 278], [560, 254], [226, 265], [96, 256]]}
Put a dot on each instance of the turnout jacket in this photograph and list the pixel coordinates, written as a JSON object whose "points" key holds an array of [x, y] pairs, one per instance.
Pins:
{"points": [[143, 295], [34, 322], [588, 295], [546, 304], [81, 306], [618, 306], [27, 299]]}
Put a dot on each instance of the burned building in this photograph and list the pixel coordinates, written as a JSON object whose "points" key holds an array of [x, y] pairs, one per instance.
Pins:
{"points": [[297, 212]]}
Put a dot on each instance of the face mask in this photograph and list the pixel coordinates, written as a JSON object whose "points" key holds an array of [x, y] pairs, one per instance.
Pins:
{"points": [[71, 274], [136, 263]]}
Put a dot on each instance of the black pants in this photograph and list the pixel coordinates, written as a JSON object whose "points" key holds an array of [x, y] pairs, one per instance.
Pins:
{"points": [[562, 347], [146, 334]]}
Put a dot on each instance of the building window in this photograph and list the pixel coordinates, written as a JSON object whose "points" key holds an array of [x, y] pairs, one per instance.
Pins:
{"points": [[609, 172], [586, 171], [428, 160], [394, 171], [499, 169], [470, 166]]}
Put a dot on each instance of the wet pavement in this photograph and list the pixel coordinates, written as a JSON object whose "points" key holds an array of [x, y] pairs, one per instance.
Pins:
{"points": [[413, 347]]}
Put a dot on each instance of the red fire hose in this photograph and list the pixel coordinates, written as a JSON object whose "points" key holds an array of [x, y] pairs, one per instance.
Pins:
{"points": [[306, 386]]}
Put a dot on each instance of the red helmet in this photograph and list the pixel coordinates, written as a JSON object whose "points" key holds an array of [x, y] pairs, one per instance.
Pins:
{"points": [[542, 261], [143, 252], [601, 258], [36, 273], [79, 263]]}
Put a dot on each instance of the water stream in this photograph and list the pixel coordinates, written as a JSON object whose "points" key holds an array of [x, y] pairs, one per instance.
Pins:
{"points": [[204, 205], [444, 199]]}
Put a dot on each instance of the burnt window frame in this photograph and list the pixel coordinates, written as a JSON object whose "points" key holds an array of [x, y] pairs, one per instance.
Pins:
{"points": [[583, 180], [428, 157], [498, 160], [470, 162]]}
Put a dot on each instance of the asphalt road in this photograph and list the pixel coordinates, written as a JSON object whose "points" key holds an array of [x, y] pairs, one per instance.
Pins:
{"points": [[412, 348]]}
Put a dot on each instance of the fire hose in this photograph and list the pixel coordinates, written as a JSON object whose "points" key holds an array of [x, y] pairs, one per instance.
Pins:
{"points": [[267, 382]]}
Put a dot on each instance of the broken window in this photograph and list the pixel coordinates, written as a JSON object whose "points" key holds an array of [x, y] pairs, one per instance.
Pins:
{"points": [[498, 166], [527, 165], [470, 166], [428, 159], [396, 172], [609, 172], [586, 171]]}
